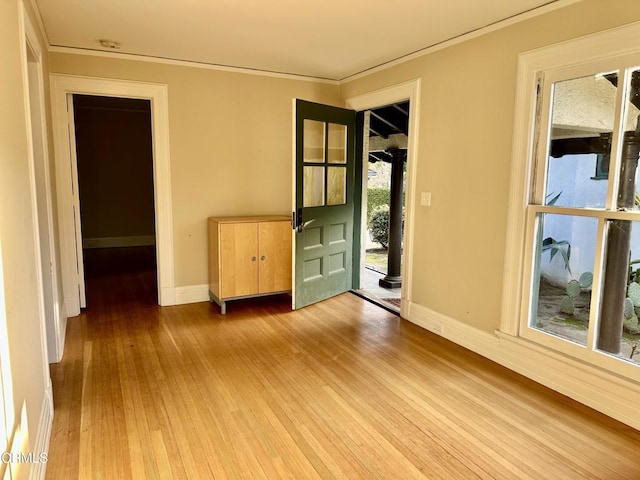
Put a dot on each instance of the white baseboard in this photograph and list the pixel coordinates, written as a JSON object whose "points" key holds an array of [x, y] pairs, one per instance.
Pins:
{"points": [[191, 294], [43, 435], [110, 242], [615, 396]]}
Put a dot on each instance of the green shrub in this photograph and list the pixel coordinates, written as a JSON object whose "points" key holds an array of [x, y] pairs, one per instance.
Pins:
{"points": [[375, 198], [379, 225]]}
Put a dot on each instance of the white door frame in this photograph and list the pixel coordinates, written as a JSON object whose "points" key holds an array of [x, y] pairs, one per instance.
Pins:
{"points": [[63, 85], [35, 123], [54, 319], [380, 98]]}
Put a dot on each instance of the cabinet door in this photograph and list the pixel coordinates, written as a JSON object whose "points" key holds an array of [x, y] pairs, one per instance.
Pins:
{"points": [[275, 256], [238, 259]]}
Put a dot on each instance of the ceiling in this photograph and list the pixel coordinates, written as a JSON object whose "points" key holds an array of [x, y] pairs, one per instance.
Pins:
{"points": [[328, 39], [389, 120], [388, 123]]}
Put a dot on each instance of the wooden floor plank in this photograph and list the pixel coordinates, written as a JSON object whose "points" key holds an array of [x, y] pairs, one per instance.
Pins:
{"points": [[341, 389]]}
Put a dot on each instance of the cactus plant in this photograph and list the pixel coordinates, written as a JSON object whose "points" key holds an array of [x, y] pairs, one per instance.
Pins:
{"points": [[573, 288], [567, 306], [631, 325], [633, 292], [586, 279], [629, 311]]}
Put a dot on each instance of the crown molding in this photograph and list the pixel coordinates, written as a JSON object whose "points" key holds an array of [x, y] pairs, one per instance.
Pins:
{"points": [[549, 7], [38, 20], [188, 63]]}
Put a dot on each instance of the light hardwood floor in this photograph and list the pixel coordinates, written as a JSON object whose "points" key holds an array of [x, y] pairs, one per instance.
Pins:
{"points": [[341, 389]]}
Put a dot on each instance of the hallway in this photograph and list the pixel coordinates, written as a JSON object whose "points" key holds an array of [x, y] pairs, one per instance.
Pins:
{"points": [[121, 276]]}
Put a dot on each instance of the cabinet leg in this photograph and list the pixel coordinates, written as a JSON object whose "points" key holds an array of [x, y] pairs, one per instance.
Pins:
{"points": [[221, 303]]}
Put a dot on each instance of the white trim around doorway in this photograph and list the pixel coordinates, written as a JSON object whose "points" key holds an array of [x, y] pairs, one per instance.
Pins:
{"points": [[53, 318], [379, 98], [63, 85]]}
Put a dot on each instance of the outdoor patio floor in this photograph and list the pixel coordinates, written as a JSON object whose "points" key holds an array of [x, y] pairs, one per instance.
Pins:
{"points": [[372, 289]]}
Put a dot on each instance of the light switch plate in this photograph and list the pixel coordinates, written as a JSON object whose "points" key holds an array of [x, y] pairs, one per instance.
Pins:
{"points": [[425, 199]]}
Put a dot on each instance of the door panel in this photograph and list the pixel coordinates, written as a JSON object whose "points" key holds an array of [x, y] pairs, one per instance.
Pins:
{"points": [[325, 151], [75, 192], [239, 259], [274, 256]]}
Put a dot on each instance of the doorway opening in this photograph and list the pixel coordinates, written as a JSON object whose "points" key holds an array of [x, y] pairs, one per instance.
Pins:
{"points": [[385, 144], [114, 153]]}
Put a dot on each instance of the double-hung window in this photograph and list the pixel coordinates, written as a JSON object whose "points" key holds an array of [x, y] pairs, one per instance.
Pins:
{"points": [[573, 263]]}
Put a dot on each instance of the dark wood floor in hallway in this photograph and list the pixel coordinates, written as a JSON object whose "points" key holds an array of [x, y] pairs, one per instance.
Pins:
{"points": [[340, 389]]}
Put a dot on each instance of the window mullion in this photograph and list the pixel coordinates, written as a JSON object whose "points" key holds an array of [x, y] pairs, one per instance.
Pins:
{"points": [[617, 140], [529, 267], [542, 134], [579, 211], [326, 163], [596, 288]]}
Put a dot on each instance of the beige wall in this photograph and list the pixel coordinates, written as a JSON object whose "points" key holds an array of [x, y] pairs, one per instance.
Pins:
{"points": [[230, 141], [230, 138], [464, 154], [26, 376]]}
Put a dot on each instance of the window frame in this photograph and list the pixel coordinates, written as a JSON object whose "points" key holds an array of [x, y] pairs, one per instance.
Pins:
{"points": [[538, 70]]}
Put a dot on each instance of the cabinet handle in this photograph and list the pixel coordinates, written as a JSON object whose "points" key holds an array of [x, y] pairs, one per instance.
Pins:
{"points": [[263, 257], [253, 259]]}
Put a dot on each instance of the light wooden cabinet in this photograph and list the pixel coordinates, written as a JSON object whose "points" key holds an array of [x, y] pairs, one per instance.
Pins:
{"points": [[248, 257]]}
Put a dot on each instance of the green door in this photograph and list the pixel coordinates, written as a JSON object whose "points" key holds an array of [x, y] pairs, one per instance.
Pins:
{"points": [[324, 213]]}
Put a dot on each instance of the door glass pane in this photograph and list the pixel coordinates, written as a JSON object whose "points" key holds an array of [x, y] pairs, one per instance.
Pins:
{"points": [[336, 186], [313, 187], [313, 141], [337, 143], [561, 294], [619, 331], [627, 196], [582, 122]]}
